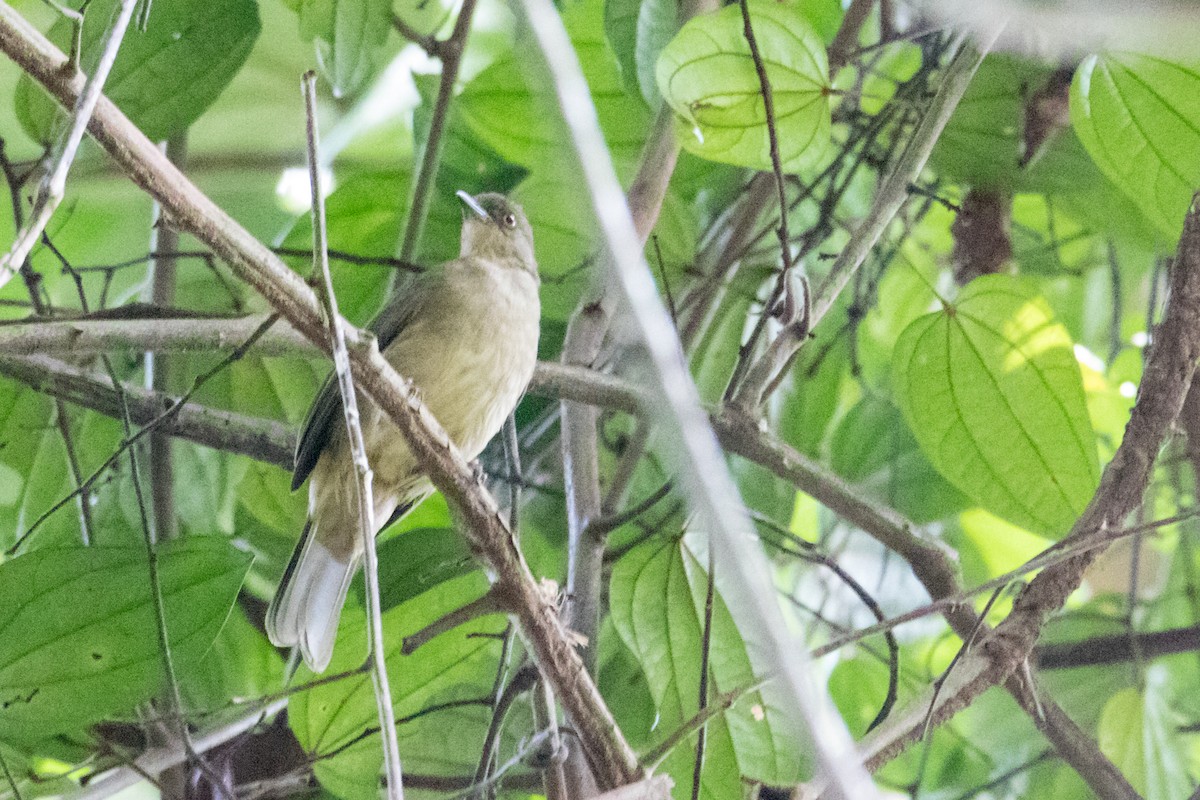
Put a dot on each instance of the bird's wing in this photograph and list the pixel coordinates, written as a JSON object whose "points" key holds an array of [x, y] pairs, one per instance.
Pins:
{"points": [[326, 410]]}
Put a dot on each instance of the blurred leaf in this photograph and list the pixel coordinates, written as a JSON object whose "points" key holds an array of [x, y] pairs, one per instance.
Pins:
{"points": [[77, 627], [1139, 118], [657, 603], [873, 447], [165, 77], [350, 36], [991, 389], [454, 665], [706, 74], [1137, 732], [518, 116]]}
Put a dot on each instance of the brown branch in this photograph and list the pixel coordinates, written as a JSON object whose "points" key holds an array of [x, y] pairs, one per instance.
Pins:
{"points": [[846, 40], [193, 212]]}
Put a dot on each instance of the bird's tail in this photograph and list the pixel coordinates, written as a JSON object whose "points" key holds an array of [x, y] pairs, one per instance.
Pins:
{"points": [[306, 608]]}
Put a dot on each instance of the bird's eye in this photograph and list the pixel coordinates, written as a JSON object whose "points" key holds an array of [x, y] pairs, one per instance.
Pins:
{"points": [[510, 220]]}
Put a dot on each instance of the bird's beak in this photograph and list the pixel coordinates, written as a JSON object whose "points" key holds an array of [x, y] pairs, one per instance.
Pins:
{"points": [[472, 203]]}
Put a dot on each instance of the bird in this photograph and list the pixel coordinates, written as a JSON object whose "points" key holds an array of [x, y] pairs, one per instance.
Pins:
{"points": [[465, 333]]}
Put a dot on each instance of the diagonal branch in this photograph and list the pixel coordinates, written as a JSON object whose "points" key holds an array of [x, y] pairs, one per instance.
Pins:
{"points": [[286, 291]]}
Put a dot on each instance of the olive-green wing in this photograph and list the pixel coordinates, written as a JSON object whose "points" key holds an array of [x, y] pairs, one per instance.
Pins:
{"points": [[326, 410]]}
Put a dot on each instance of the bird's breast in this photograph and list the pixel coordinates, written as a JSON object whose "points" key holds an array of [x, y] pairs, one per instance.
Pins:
{"points": [[473, 353]]}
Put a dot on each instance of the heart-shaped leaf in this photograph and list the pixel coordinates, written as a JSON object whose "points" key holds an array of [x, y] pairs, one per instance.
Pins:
{"points": [[706, 74], [1139, 118], [992, 391]]}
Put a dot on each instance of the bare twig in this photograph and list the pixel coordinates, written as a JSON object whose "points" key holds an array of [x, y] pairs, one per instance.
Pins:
{"points": [[163, 238], [53, 186], [894, 190], [358, 453], [450, 52], [846, 40], [705, 652], [748, 393], [488, 603]]}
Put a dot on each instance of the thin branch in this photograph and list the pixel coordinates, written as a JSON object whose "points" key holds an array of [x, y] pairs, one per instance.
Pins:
{"points": [[748, 393], [163, 238], [705, 653], [450, 52], [846, 40], [261, 439], [487, 604], [894, 190], [53, 186], [358, 453]]}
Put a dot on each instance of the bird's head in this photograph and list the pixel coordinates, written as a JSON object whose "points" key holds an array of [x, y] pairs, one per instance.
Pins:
{"points": [[495, 228]]}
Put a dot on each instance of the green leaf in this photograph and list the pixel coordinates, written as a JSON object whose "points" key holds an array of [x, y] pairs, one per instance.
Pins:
{"points": [[518, 116], [77, 628], [657, 24], [707, 76], [351, 35], [1138, 733], [454, 665], [991, 389], [415, 561], [1139, 118], [657, 602], [164, 77], [874, 447]]}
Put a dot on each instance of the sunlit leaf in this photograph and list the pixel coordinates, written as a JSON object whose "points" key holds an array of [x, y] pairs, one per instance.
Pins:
{"points": [[706, 74], [1139, 118], [991, 389], [77, 627]]}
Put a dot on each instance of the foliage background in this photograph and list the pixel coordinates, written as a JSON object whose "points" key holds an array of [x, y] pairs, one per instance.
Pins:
{"points": [[1079, 224]]}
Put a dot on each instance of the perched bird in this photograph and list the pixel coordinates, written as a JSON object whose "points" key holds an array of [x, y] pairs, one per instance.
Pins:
{"points": [[466, 333]]}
